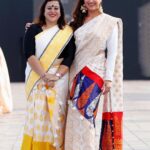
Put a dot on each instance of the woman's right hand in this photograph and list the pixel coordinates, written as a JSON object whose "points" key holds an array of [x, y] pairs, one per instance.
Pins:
{"points": [[106, 87], [46, 77], [50, 79], [50, 84]]}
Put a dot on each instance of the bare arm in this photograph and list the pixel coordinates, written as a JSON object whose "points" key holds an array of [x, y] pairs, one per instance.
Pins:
{"points": [[36, 65], [62, 70]]}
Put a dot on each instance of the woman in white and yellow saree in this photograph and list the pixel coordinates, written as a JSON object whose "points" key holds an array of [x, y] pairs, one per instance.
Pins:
{"points": [[93, 74], [49, 49], [6, 104]]}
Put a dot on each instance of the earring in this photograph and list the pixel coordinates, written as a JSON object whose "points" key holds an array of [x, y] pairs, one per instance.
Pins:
{"points": [[101, 9], [83, 9]]}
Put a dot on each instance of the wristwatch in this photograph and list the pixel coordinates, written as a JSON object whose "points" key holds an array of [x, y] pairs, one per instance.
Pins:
{"points": [[59, 75]]}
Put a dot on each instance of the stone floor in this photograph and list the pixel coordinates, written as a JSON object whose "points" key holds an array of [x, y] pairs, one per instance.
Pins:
{"points": [[136, 120]]}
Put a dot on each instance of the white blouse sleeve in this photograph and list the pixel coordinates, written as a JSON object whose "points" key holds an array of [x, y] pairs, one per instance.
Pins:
{"points": [[112, 45]]}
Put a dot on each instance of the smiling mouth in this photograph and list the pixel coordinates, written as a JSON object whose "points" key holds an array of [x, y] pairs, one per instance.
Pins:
{"points": [[91, 4], [52, 15]]}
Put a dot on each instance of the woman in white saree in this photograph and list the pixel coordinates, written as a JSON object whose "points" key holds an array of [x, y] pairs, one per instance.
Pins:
{"points": [[93, 74], [49, 48], [6, 104]]}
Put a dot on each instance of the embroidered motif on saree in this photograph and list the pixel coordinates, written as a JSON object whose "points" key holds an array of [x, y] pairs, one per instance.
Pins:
{"points": [[85, 93]]}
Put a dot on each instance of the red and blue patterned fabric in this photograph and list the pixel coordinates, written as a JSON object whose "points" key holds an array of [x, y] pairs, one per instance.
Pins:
{"points": [[85, 93], [111, 131]]}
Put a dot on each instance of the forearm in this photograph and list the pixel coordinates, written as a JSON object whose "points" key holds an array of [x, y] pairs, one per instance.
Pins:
{"points": [[62, 70], [36, 65], [110, 66], [112, 46]]}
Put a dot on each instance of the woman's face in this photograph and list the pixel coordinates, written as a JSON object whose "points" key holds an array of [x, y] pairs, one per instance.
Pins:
{"points": [[92, 5], [52, 12]]}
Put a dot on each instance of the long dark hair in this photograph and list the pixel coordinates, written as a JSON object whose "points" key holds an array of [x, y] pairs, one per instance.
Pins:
{"points": [[61, 21], [78, 16]]}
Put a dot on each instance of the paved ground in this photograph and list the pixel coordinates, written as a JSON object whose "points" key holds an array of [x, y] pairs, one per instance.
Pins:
{"points": [[136, 120]]}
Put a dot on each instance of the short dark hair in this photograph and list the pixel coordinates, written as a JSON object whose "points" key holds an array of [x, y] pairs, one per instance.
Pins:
{"points": [[61, 21]]}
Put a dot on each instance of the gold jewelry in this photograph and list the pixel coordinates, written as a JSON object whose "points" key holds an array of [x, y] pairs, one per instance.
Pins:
{"points": [[83, 9]]}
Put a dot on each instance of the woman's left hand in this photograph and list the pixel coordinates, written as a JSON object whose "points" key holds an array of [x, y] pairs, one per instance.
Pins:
{"points": [[50, 77], [106, 87]]}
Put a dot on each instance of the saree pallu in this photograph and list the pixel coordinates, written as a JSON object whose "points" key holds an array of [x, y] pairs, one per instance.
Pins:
{"points": [[46, 107], [91, 38], [6, 104]]}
